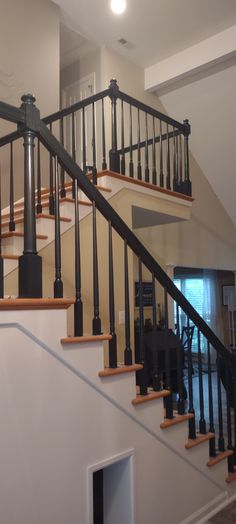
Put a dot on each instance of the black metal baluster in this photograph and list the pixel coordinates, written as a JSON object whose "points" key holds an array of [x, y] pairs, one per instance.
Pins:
{"points": [[175, 165], [229, 423], [84, 140], [94, 169], [187, 186], [233, 375], [12, 225], [146, 150], [1, 259], [169, 399], [51, 183], [58, 284], [114, 156], [78, 306], [161, 158], [202, 421], [168, 183], [39, 208], [73, 148], [96, 318], [104, 159], [122, 162], [221, 442], [131, 164], [143, 373], [62, 173], [139, 167], [212, 447], [180, 365], [156, 379], [128, 352], [154, 171], [113, 341], [180, 165], [191, 422]]}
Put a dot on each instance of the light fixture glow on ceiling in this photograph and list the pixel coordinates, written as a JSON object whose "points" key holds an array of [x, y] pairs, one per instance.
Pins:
{"points": [[118, 6]]}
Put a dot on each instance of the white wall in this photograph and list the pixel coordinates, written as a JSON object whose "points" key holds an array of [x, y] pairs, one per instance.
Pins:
{"points": [[60, 420]]}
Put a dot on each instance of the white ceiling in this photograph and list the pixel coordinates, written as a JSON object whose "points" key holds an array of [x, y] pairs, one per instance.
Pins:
{"points": [[156, 28]]}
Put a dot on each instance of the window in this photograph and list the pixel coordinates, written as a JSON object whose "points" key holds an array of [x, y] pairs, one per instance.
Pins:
{"points": [[196, 291]]}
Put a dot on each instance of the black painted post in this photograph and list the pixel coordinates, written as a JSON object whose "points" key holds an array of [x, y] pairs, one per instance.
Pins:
{"points": [[1, 259], [51, 183], [146, 150], [128, 352], [143, 357], [180, 365], [113, 341], [161, 158], [104, 160], [168, 184], [94, 168], [154, 171], [30, 263], [96, 318], [202, 421], [113, 154], [12, 225], [156, 378], [187, 186], [212, 447], [58, 284], [78, 306], [39, 201], [122, 162], [139, 167], [63, 189], [229, 422]]}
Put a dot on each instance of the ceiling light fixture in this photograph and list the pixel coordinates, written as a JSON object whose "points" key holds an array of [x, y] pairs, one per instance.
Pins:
{"points": [[118, 6]]}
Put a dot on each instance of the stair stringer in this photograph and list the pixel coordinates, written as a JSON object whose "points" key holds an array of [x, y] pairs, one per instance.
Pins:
{"points": [[53, 402]]}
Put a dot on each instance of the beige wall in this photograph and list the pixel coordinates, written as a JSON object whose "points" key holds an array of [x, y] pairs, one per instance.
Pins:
{"points": [[90, 63], [29, 63]]}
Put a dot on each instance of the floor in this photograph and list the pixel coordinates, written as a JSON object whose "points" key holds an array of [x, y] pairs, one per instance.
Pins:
{"points": [[225, 516]]}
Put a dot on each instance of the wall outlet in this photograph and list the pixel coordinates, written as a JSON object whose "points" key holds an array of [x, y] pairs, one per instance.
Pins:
{"points": [[121, 318]]}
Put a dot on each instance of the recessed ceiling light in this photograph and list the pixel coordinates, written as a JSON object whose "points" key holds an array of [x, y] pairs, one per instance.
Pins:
{"points": [[118, 6]]}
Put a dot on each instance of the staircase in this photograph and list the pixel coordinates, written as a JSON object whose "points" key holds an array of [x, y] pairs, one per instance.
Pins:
{"points": [[81, 404]]}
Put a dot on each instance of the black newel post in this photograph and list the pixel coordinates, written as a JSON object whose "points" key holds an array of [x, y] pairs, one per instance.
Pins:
{"points": [[113, 154], [30, 263], [186, 185]]}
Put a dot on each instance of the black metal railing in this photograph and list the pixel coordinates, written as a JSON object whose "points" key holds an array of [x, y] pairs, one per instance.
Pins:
{"points": [[191, 378]]}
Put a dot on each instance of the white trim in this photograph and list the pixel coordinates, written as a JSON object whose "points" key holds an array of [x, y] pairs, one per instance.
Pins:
{"points": [[104, 464], [207, 510]]}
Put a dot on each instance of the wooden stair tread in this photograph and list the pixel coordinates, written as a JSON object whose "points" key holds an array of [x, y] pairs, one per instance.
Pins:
{"points": [[52, 217], [9, 234], [89, 338], [231, 477], [148, 185], [222, 455], [10, 257], [192, 443], [35, 303], [109, 372], [152, 395], [68, 185], [176, 420], [40, 215]]}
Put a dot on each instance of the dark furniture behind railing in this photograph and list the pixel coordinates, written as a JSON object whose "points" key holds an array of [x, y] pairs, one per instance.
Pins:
{"points": [[61, 163]]}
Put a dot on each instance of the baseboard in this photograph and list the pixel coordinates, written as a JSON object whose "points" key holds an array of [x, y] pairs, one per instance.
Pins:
{"points": [[203, 514]]}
